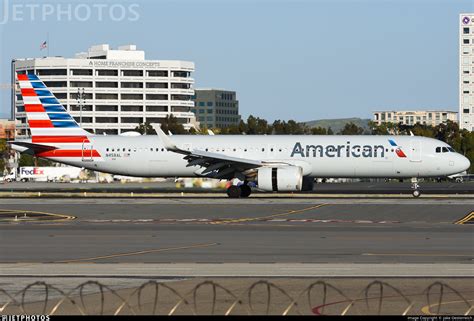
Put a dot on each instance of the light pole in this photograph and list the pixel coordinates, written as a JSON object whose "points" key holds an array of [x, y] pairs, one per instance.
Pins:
{"points": [[80, 102]]}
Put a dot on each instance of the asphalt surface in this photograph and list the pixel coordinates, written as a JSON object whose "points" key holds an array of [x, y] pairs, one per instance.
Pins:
{"points": [[169, 187], [243, 231]]}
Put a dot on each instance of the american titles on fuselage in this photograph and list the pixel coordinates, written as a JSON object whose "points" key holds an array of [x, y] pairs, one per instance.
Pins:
{"points": [[346, 150]]}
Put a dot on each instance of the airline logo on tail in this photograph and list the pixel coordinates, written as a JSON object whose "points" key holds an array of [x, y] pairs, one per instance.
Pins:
{"points": [[50, 124], [398, 150]]}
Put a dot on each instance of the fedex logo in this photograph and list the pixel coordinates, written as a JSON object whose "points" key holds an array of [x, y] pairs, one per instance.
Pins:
{"points": [[31, 171]]}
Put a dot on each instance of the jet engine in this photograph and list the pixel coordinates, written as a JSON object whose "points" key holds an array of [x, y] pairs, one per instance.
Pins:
{"points": [[281, 179]]}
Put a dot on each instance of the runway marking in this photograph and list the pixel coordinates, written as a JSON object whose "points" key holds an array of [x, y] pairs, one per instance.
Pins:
{"points": [[233, 220], [468, 219], [426, 308], [137, 253], [417, 254], [262, 218], [40, 216]]}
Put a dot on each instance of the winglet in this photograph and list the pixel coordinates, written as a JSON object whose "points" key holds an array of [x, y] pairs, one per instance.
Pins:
{"points": [[167, 143]]}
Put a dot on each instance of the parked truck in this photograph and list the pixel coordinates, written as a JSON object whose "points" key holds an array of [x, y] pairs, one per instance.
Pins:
{"points": [[43, 174]]}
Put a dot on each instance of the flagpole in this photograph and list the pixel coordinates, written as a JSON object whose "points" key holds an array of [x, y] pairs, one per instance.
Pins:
{"points": [[47, 42]]}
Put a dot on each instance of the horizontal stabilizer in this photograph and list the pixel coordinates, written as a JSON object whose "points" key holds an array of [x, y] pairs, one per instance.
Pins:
{"points": [[35, 147]]}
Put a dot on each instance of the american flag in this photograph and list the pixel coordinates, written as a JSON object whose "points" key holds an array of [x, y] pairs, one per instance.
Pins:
{"points": [[44, 45]]}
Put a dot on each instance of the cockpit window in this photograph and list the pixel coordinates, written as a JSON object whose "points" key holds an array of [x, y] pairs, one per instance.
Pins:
{"points": [[438, 149], [451, 149], [445, 150]]}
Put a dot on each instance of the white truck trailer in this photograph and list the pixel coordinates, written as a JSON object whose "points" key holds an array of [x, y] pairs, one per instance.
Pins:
{"points": [[43, 174]]}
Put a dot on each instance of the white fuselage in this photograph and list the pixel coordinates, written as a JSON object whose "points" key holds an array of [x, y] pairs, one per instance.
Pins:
{"points": [[319, 156]]}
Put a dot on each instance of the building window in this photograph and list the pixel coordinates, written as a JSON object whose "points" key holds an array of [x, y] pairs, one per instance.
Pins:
{"points": [[82, 72], [132, 96], [132, 108], [465, 110], [106, 108], [73, 95], [202, 104], [61, 95], [132, 85], [106, 96], [50, 84], [106, 120], [84, 108], [134, 120], [181, 74], [132, 73], [51, 72], [84, 119], [156, 85], [209, 103], [86, 84], [180, 109], [106, 84], [156, 108], [465, 41], [156, 97], [465, 30], [107, 72], [180, 97], [180, 85], [157, 73]]}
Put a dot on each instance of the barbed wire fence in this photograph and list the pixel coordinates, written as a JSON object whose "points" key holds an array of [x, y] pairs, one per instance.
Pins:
{"points": [[211, 298]]}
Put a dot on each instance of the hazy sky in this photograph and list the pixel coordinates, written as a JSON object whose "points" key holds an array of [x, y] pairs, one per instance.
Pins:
{"points": [[303, 60]]}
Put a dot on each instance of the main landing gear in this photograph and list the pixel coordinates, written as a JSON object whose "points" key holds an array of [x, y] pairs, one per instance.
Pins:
{"points": [[415, 187], [235, 191]]}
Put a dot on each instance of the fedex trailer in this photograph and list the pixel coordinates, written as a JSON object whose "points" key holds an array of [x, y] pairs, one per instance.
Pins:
{"points": [[43, 174]]}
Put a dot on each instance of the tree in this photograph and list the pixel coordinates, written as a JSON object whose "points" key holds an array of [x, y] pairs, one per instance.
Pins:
{"points": [[145, 129], [172, 125], [351, 129], [319, 131]]}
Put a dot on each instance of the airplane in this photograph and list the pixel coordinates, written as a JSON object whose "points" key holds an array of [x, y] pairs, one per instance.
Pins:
{"points": [[276, 163]]}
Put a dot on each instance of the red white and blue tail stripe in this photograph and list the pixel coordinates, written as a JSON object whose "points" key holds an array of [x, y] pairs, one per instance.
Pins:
{"points": [[50, 124]]}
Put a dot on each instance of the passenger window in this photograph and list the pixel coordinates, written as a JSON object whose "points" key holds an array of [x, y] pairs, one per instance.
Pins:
{"points": [[445, 150], [107, 150], [124, 149], [263, 149], [438, 149]]}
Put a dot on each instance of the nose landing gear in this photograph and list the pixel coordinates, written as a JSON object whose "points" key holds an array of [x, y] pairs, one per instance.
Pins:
{"points": [[415, 187]]}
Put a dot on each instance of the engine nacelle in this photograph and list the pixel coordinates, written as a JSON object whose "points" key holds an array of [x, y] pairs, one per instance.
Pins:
{"points": [[280, 179]]}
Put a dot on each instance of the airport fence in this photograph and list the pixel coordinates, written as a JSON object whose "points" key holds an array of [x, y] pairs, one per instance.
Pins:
{"points": [[211, 298]]}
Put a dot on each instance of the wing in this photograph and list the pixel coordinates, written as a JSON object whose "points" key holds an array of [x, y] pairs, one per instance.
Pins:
{"points": [[215, 165]]}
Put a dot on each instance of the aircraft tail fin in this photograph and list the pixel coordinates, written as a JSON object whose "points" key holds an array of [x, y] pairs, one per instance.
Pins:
{"points": [[49, 121]]}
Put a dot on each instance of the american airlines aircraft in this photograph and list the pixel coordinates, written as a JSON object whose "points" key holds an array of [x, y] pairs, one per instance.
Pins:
{"points": [[276, 163]]}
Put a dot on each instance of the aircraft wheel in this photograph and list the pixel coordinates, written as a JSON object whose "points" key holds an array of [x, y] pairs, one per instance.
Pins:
{"points": [[234, 191], [416, 193], [246, 190]]}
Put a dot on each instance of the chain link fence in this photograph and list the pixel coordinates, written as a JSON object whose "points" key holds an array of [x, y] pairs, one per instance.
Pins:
{"points": [[259, 298]]}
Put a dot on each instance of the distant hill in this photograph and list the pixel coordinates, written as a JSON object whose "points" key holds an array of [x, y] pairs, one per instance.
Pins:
{"points": [[337, 124]]}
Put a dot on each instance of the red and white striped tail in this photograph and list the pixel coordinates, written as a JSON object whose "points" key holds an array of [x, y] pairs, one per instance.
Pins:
{"points": [[48, 119], [50, 124]]}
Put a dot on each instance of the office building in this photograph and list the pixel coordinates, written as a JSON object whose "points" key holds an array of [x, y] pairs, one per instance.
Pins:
{"points": [[121, 88], [424, 117], [216, 108], [466, 71]]}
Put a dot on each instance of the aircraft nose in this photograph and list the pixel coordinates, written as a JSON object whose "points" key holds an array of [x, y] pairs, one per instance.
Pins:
{"points": [[464, 163]]}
